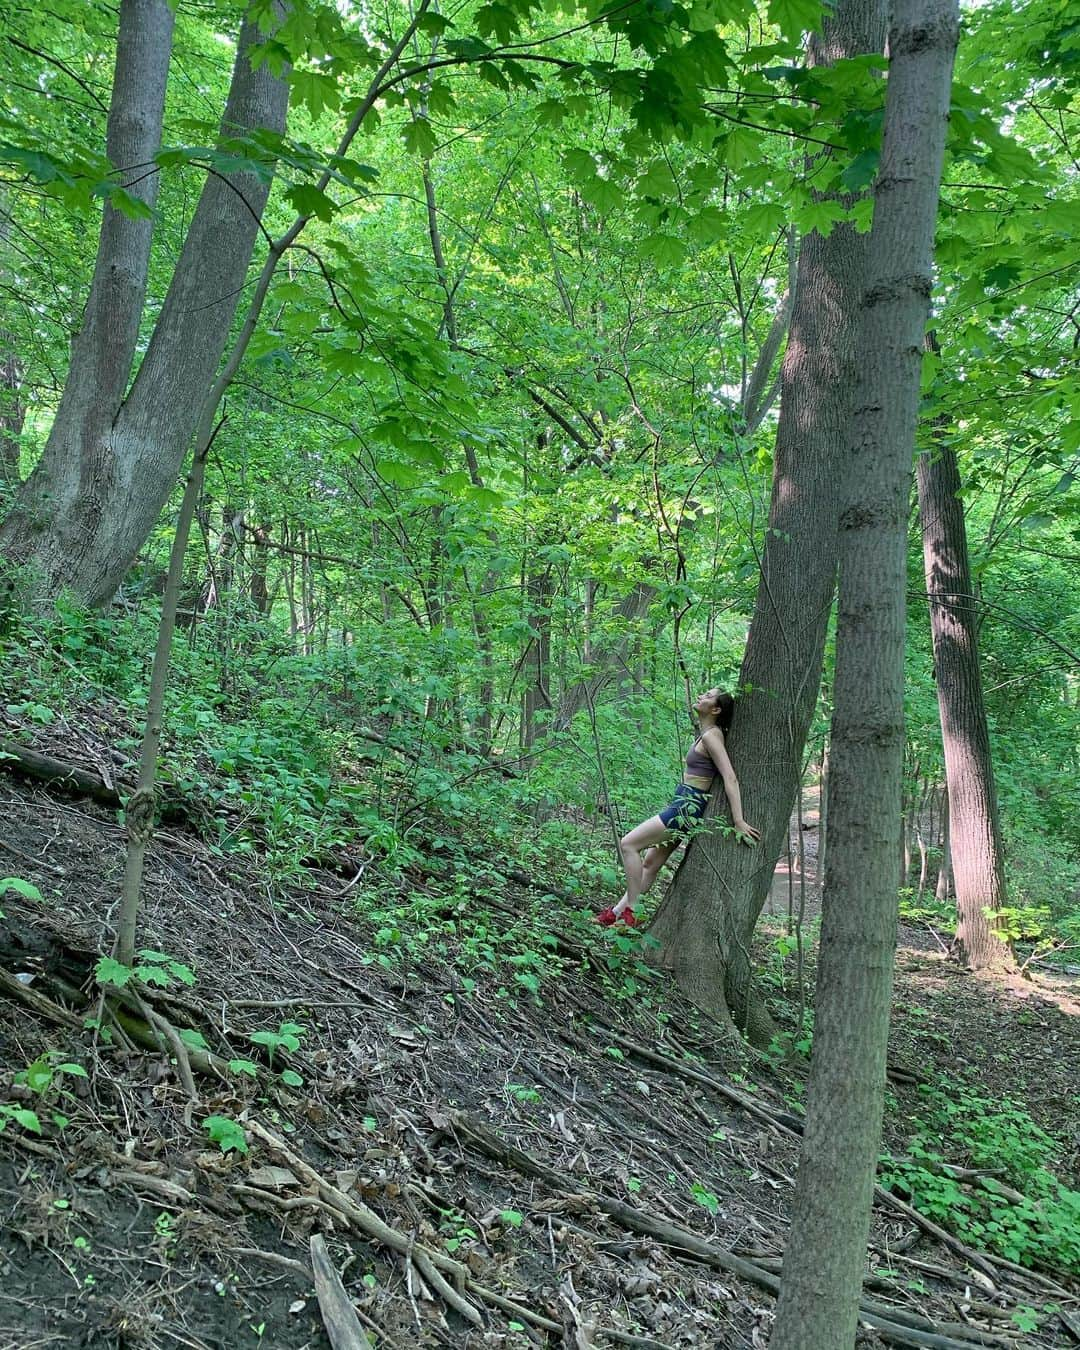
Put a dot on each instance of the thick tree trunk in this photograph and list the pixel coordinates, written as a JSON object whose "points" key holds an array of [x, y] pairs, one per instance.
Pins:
{"points": [[110, 465], [706, 921], [975, 834], [825, 1255], [38, 528]]}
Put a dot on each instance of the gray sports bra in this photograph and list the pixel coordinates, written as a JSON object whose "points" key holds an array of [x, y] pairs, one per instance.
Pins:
{"points": [[699, 764]]}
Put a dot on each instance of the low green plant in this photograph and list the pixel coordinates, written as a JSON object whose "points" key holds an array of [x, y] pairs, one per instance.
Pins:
{"points": [[708, 1200], [26, 889], [44, 1078], [226, 1133], [155, 968], [1014, 1204], [287, 1037]]}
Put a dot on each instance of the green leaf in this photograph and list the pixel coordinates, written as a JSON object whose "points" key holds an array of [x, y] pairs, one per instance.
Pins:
{"points": [[820, 217], [21, 1116], [551, 112], [109, 971], [708, 225], [859, 174], [739, 147], [400, 475], [132, 207], [308, 201], [665, 250], [602, 193], [497, 21], [226, 1133], [195, 1039], [153, 975], [795, 17], [434, 24], [24, 888], [291, 1078], [419, 137], [317, 91], [764, 219], [244, 1066]]}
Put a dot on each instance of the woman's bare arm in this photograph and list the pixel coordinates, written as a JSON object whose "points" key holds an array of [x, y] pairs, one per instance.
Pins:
{"points": [[713, 740]]}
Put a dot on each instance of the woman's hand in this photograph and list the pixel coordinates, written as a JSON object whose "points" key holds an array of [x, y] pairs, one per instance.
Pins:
{"points": [[747, 834]]}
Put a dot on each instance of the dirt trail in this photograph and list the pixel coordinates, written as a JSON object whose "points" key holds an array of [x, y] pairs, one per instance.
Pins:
{"points": [[796, 883]]}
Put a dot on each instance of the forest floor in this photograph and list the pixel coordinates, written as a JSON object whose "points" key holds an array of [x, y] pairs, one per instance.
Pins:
{"points": [[583, 1169]]}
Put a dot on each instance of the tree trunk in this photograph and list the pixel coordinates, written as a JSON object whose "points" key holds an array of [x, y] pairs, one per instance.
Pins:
{"points": [[975, 834], [706, 921], [941, 893], [825, 1255], [535, 696], [38, 529], [12, 408], [611, 654], [110, 462], [258, 589]]}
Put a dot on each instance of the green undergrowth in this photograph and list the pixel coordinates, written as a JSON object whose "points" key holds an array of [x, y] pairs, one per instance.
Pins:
{"points": [[300, 757], [983, 1169], [511, 951], [302, 760], [330, 759], [1047, 934]]}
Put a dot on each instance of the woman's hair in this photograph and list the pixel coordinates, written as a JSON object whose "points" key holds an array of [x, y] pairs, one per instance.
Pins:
{"points": [[725, 710]]}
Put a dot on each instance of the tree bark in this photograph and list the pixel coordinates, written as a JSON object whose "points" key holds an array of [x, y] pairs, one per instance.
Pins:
{"points": [[941, 892], [12, 408], [111, 461], [825, 1255], [974, 831], [38, 527], [706, 921]]}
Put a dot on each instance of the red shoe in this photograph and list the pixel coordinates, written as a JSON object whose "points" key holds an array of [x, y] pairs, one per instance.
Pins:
{"points": [[606, 917], [627, 917]]}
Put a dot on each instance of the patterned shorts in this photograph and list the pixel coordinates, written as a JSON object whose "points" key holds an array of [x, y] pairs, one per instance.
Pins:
{"points": [[686, 808]]}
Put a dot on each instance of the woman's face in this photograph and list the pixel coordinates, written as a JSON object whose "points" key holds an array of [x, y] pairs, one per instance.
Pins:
{"points": [[706, 703]]}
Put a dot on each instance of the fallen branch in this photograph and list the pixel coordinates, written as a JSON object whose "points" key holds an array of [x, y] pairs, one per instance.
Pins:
{"points": [[58, 773], [338, 1315], [433, 1265], [792, 1125], [30, 998], [367, 1221]]}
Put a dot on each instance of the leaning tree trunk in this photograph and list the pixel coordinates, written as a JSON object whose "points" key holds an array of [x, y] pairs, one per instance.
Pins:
{"points": [[974, 831], [111, 462], [103, 349], [825, 1255], [706, 921]]}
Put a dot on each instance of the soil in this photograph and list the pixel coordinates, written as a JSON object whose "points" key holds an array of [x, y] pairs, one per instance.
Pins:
{"points": [[129, 1228]]}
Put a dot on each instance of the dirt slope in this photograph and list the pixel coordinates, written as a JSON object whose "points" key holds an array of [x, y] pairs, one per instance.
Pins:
{"points": [[487, 1169]]}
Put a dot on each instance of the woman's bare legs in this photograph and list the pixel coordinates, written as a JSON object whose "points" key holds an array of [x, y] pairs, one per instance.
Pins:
{"points": [[653, 835], [651, 865]]}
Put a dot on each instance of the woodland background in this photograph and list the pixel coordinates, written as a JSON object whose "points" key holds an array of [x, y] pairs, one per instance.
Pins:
{"points": [[505, 345]]}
